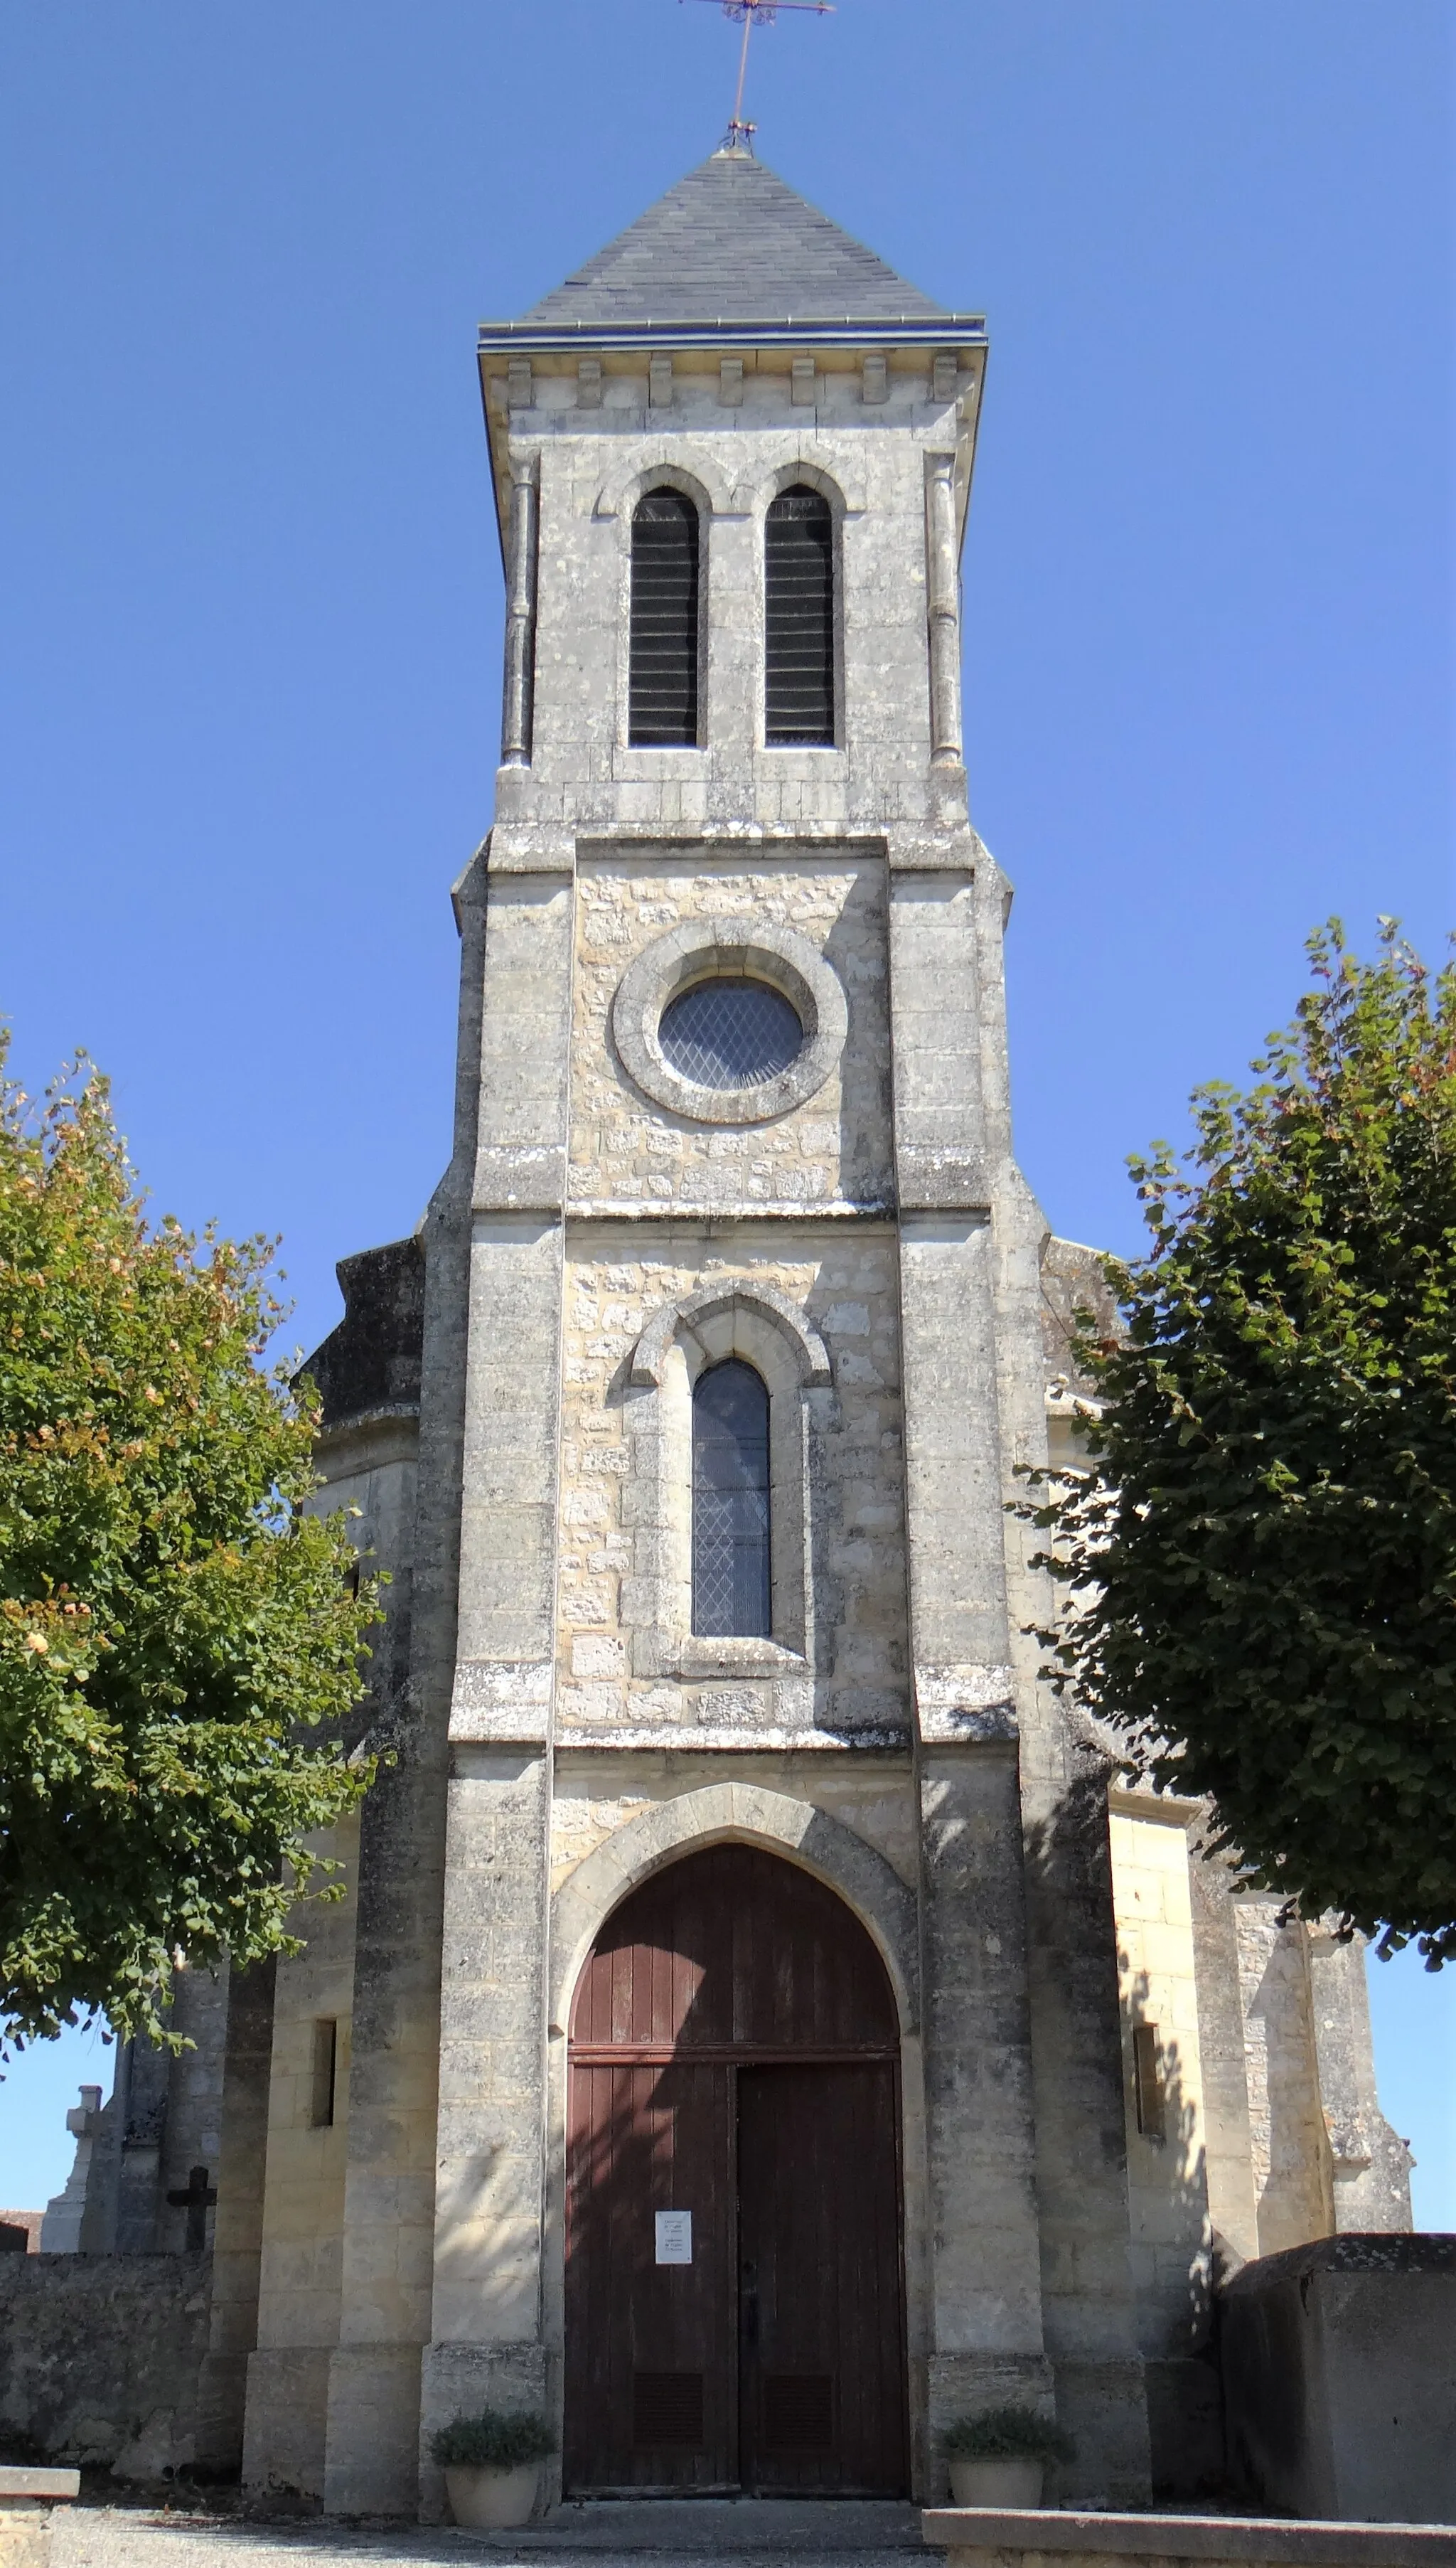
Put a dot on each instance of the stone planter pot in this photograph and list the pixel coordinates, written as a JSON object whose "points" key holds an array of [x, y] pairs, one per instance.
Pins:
{"points": [[492, 2501], [1009, 2485]]}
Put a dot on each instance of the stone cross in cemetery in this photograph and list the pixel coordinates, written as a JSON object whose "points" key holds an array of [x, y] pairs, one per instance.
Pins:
{"points": [[196, 2198]]}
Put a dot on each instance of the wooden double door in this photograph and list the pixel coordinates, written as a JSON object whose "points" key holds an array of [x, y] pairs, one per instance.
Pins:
{"points": [[734, 2300]]}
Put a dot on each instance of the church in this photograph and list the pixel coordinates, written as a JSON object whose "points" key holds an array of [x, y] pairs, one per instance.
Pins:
{"points": [[763, 2025]]}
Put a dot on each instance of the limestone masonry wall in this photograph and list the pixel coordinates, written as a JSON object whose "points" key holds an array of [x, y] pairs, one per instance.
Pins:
{"points": [[835, 1146], [857, 1681], [596, 1794], [99, 2357], [1166, 2164]]}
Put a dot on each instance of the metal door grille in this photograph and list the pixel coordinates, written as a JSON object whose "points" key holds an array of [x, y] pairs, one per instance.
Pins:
{"points": [[664, 646], [667, 2409], [798, 573], [799, 2412]]}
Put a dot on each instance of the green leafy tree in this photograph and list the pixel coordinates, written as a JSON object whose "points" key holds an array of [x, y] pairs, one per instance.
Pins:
{"points": [[1259, 1562], [178, 1642]]}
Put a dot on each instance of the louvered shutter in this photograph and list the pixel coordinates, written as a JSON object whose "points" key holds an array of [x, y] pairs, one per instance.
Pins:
{"points": [[664, 693], [798, 573]]}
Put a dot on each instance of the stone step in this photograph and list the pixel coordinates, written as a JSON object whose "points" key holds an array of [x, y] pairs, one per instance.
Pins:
{"points": [[725, 2526]]}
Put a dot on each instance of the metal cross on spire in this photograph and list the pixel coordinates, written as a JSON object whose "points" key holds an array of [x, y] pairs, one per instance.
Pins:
{"points": [[747, 14]]}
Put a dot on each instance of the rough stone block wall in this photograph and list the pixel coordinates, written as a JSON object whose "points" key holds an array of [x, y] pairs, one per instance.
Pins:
{"points": [[596, 1794], [836, 1147], [1339, 2370], [583, 773], [99, 2357], [846, 1283], [300, 2266]]}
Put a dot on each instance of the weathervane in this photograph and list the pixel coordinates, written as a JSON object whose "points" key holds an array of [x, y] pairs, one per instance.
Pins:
{"points": [[747, 14]]}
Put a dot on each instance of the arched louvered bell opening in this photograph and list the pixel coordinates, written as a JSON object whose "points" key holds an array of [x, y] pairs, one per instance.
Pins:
{"points": [[798, 573], [662, 712]]}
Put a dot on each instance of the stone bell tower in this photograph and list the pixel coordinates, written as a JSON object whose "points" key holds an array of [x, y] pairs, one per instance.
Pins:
{"points": [[722, 1764], [851, 1227]]}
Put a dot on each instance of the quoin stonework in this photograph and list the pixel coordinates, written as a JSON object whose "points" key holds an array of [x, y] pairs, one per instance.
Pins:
{"points": [[762, 2026]]}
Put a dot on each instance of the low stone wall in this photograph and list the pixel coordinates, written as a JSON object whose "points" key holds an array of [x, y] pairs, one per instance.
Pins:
{"points": [[99, 2357], [28, 2499], [977, 2537], [1339, 2378]]}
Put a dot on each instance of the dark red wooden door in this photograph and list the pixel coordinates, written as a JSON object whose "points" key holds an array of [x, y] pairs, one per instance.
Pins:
{"points": [[648, 2402], [733, 2056], [822, 2370]]}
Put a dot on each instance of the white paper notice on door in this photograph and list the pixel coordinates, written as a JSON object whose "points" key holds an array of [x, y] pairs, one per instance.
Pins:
{"points": [[674, 2237]]}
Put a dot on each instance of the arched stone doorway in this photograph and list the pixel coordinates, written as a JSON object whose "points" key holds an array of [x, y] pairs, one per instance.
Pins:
{"points": [[734, 2058]]}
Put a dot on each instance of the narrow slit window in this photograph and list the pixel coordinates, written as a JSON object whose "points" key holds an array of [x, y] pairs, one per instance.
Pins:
{"points": [[1147, 2079], [731, 1583], [663, 710], [325, 2071], [798, 604]]}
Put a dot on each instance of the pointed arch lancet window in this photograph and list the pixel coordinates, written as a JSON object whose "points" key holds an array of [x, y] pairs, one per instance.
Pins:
{"points": [[662, 709], [798, 603], [731, 1585]]}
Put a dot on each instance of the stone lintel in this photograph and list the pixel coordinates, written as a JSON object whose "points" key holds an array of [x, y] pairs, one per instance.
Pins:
{"points": [[733, 1208], [515, 1177], [987, 2537], [1144, 1803], [954, 850], [935, 1180], [526, 847], [800, 841], [505, 1702], [732, 1739], [966, 1708]]}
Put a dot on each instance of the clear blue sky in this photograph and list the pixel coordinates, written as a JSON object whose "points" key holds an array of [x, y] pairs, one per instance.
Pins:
{"points": [[251, 592]]}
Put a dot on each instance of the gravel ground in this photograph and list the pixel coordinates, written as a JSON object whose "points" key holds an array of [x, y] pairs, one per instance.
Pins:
{"points": [[85, 2536]]}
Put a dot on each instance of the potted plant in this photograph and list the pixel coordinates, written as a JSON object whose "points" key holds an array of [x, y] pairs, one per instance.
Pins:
{"points": [[999, 2458], [492, 2464]]}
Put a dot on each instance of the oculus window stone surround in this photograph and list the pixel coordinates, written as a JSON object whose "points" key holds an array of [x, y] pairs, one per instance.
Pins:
{"points": [[733, 950]]}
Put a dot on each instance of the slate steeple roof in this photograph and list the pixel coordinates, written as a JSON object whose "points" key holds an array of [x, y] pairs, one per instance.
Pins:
{"points": [[733, 243]]}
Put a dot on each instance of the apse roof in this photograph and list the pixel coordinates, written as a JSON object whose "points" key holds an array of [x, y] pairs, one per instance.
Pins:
{"points": [[730, 247]]}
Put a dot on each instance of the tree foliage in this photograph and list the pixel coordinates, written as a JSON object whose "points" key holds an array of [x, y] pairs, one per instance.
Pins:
{"points": [[178, 1642], [1259, 1561]]}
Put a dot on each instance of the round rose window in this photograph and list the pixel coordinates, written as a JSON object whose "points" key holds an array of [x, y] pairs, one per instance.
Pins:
{"points": [[724, 1021], [729, 1032]]}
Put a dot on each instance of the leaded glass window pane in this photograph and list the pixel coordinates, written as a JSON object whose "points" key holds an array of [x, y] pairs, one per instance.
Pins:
{"points": [[730, 1034], [732, 1588]]}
